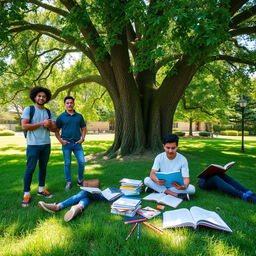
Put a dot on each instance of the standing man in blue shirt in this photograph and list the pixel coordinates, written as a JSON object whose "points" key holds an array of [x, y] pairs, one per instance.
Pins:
{"points": [[37, 121], [73, 131]]}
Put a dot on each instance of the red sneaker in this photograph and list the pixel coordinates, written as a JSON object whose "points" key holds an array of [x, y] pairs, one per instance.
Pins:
{"points": [[45, 193], [26, 201]]}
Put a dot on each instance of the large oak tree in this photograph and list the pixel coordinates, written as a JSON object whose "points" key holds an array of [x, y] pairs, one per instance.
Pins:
{"points": [[130, 42]]}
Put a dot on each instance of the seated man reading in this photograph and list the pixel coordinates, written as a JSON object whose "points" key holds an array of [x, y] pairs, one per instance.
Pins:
{"points": [[170, 161]]}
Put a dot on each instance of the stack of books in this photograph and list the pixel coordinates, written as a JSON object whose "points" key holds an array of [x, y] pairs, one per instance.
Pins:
{"points": [[127, 206], [130, 187]]}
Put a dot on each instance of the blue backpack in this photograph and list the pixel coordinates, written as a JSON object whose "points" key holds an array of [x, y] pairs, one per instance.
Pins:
{"points": [[31, 114]]}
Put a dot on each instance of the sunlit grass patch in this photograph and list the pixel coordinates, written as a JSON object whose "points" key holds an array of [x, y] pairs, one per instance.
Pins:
{"points": [[31, 231]]}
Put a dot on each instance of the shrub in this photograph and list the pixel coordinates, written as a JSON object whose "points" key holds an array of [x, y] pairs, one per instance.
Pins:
{"points": [[229, 133], [205, 134], [7, 133], [18, 128], [246, 133], [179, 133]]}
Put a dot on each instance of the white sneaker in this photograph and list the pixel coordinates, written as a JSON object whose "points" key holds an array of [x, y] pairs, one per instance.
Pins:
{"points": [[73, 212]]}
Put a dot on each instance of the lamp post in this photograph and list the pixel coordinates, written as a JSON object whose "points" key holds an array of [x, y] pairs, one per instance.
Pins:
{"points": [[243, 104]]}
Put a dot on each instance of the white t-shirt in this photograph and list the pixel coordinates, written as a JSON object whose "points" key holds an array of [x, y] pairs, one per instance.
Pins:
{"points": [[41, 135], [163, 164]]}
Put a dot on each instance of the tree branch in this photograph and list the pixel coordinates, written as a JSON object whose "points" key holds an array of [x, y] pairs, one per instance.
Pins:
{"points": [[240, 46], [236, 20], [87, 28], [165, 60], [50, 8], [233, 59], [51, 64], [184, 104], [98, 98], [13, 97], [56, 34], [235, 5], [131, 36], [243, 31], [86, 79]]}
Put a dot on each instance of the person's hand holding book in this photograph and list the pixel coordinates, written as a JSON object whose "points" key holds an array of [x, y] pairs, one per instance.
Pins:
{"points": [[178, 186], [160, 182]]}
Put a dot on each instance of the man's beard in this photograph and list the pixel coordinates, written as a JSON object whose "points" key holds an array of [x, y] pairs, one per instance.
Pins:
{"points": [[39, 103]]}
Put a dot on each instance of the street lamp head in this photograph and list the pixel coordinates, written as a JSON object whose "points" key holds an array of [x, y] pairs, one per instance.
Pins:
{"points": [[243, 103]]}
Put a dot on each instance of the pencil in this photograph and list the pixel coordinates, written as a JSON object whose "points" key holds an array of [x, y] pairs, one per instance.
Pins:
{"points": [[134, 221], [154, 228], [133, 228], [138, 231]]}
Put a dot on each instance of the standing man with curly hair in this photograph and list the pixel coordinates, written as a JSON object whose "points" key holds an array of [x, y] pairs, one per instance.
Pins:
{"points": [[37, 121]]}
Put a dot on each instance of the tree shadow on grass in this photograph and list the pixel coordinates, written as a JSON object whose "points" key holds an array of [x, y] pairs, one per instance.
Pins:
{"points": [[97, 232]]}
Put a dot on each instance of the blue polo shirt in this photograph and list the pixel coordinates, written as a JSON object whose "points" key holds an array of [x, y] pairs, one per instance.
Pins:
{"points": [[70, 125]]}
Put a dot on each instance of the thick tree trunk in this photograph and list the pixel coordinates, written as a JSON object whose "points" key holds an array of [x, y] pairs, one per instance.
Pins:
{"points": [[144, 116]]}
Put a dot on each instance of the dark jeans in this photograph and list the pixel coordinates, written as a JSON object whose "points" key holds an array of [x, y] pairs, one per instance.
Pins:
{"points": [[223, 183], [83, 198], [40, 154]]}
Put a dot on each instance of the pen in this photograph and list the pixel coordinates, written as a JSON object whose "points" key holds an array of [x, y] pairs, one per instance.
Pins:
{"points": [[138, 232], [133, 228]]}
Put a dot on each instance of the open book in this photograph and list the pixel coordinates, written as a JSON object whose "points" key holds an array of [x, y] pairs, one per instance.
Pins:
{"points": [[214, 169], [193, 218], [162, 198], [109, 193], [170, 177]]}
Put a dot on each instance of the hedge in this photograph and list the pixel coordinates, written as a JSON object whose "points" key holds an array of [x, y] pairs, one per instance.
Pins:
{"points": [[205, 134], [7, 133], [233, 133], [229, 133], [179, 133], [246, 133]]}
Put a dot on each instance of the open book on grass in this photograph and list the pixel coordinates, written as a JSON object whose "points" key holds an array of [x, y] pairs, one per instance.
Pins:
{"points": [[214, 169], [109, 193], [162, 198], [193, 218], [170, 177]]}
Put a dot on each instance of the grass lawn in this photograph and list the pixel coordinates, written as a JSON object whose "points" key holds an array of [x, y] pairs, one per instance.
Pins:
{"points": [[30, 231]]}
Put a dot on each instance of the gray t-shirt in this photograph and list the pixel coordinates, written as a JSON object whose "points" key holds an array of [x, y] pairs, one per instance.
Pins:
{"points": [[41, 135], [163, 164]]}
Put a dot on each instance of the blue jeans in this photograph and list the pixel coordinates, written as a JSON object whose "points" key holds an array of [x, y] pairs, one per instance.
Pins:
{"points": [[40, 154], [77, 148], [224, 183], [83, 198]]}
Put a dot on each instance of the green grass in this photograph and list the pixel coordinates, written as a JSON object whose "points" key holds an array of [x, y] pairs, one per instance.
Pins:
{"points": [[30, 231]]}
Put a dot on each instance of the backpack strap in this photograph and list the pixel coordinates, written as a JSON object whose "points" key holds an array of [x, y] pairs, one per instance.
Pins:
{"points": [[31, 112], [48, 112]]}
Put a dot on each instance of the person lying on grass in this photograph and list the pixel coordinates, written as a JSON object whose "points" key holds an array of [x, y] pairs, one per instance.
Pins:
{"points": [[227, 185], [78, 201], [170, 161]]}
